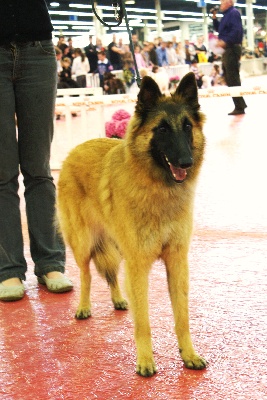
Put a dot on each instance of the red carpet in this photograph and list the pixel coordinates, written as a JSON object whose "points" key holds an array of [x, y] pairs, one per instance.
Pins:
{"points": [[46, 354]]}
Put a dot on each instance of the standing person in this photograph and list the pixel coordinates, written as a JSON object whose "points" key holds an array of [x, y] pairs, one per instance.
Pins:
{"points": [[171, 54], [115, 54], [28, 81], [180, 54], [140, 61], [162, 54], [153, 57], [62, 44], [80, 67], [69, 51], [91, 54], [200, 50], [103, 66], [230, 39]]}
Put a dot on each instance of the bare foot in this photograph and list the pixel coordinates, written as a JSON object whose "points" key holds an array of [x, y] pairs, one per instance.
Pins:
{"points": [[12, 282], [54, 275]]}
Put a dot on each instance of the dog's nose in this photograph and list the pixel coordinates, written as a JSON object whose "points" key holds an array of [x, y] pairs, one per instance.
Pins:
{"points": [[186, 162]]}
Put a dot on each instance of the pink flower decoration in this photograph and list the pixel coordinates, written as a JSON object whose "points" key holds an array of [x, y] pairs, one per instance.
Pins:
{"points": [[121, 114], [110, 128], [118, 124], [121, 127]]}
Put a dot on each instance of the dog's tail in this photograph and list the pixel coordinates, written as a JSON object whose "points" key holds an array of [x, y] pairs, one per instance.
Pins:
{"points": [[107, 258]]}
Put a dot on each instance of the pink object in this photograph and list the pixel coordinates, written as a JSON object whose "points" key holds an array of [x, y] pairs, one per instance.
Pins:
{"points": [[118, 124]]}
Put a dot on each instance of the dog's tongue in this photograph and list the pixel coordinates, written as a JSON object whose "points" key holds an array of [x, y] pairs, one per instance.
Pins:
{"points": [[178, 173]]}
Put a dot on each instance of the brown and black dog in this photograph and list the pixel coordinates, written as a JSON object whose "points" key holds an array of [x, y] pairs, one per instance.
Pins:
{"points": [[132, 199]]}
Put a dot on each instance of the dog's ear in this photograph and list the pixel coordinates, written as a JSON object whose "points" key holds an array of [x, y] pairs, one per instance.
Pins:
{"points": [[148, 95], [187, 88]]}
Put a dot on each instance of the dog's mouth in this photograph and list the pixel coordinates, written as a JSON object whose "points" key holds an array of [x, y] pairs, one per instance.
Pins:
{"points": [[177, 173]]}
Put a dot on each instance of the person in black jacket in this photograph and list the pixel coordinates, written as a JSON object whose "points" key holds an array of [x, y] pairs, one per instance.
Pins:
{"points": [[91, 54], [230, 39], [28, 81]]}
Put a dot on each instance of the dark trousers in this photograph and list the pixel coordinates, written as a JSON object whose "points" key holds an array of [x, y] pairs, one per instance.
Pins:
{"points": [[230, 67], [28, 89]]}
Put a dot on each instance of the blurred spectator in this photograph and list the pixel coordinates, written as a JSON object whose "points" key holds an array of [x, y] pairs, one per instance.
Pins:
{"points": [[91, 53], [145, 54], [216, 76], [265, 47], [174, 42], [61, 44], [214, 57], [139, 58], [201, 50], [65, 75], [99, 45], [152, 54], [180, 53], [115, 54], [171, 54], [136, 41], [258, 53], [127, 57], [162, 54], [113, 85], [189, 52], [69, 50], [198, 75], [161, 77], [80, 67], [103, 66]]}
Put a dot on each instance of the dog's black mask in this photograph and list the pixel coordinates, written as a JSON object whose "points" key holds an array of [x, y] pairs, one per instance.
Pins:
{"points": [[172, 150], [172, 143]]}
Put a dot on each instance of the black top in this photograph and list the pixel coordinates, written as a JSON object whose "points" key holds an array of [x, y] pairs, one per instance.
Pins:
{"points": [[24, 21]]}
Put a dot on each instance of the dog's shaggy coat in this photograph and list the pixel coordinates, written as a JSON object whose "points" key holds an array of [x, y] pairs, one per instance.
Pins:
{"points": [[132, 199]]}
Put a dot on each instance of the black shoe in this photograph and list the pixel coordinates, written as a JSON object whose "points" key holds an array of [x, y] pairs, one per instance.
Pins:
{"points": [[237, 111]]}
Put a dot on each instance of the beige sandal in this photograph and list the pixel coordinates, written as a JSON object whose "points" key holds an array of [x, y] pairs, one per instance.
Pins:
{"points": [[11, 293], [59, 285]]}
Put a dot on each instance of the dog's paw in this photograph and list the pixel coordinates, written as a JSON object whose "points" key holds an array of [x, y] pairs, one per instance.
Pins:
{"points": [[121, 305], [83, 313], [195, 362], [147, 369]]}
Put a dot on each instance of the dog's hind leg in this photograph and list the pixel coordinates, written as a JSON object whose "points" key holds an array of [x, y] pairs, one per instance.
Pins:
{"points": [[178, 283], [107, 259], [137, 288]]}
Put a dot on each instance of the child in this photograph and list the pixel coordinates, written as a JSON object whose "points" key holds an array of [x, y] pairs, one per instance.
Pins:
{"points": [[198, 74], [65, 74], [216, 78], [80, 67], [103, 66]]}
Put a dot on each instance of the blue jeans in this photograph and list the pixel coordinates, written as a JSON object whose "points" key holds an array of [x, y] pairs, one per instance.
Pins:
{"points": [[28, 79]]}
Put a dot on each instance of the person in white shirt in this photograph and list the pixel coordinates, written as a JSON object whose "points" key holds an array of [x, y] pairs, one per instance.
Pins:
{"points": [[171, 54], [80, 67]]}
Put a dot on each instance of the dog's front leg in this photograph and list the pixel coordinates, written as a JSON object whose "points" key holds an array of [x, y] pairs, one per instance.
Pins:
{"points": [[137, 288], [178, 282]]}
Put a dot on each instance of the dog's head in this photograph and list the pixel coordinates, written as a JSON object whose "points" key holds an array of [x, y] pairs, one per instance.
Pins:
{"points": [[169, 128]]}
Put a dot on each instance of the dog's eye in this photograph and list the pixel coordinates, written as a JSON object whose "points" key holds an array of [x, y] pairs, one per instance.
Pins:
{"points": [[188, 128], [162, 129]]}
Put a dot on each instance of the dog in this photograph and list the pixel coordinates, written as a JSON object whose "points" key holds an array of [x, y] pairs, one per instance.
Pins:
{"points": [[132, 199], [113, 85]]}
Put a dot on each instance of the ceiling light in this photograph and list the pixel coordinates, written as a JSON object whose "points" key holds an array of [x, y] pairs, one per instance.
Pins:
{"points": [[130, 2]]}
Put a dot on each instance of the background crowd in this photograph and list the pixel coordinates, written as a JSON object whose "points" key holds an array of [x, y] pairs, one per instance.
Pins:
{"points": [[75, 63]]}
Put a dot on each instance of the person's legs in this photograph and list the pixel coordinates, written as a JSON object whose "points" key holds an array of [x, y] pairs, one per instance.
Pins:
{"points": [[35, 91], [81, 80], [12, 261], [231, 65]]}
